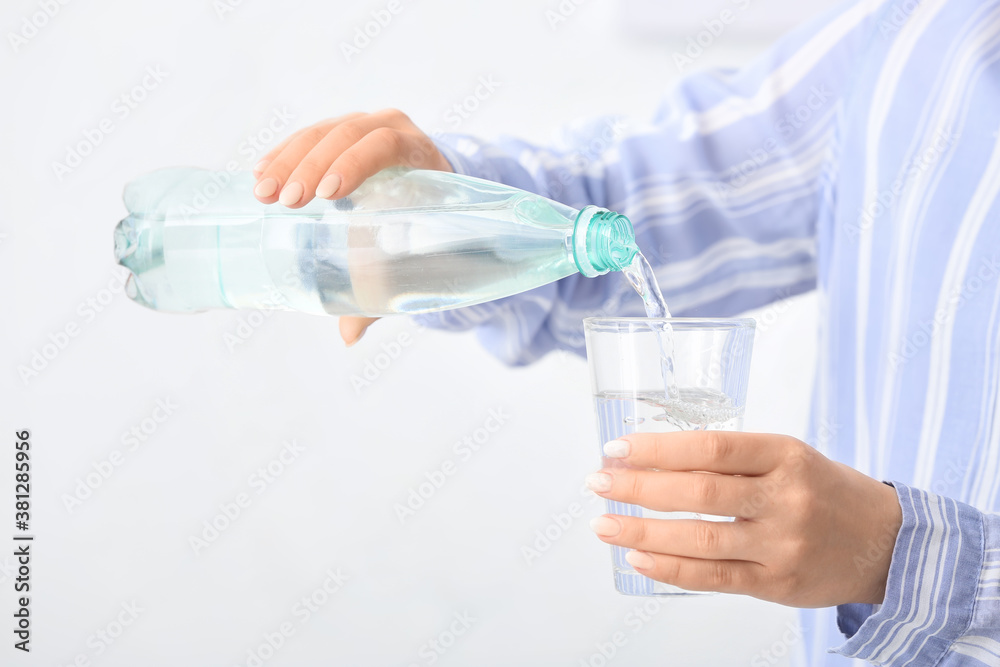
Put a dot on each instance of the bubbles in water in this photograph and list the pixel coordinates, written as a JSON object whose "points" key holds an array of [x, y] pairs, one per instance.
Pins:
{"points": [[694, 408], [634, 421]]}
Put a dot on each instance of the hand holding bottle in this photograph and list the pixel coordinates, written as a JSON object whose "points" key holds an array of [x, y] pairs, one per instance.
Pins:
{"points": [[405, 241], [333, 157]]}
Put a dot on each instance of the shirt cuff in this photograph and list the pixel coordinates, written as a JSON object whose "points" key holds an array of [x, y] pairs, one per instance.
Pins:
{"points": [[931, 589], [465, 155]]}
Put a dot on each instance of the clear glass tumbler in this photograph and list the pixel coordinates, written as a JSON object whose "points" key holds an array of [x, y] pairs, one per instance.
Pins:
{"points": [[711, 360]]}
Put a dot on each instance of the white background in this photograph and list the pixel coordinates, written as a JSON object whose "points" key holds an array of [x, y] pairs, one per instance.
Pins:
{"points": [[332, 507]]}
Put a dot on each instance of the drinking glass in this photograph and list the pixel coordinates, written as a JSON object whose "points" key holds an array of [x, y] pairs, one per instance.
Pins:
{"points": [[632, 394]]}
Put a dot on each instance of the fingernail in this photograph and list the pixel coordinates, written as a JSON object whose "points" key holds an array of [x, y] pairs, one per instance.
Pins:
{"points": [[261, 166], [617, 449], [605, 526], [291, 194], [328, 186], [640, 560], [599, 482], [360, 336], [266, 187]]}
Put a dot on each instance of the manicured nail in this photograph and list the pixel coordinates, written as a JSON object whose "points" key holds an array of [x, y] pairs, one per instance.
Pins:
{"points": [[259, 168], [328, 186], [599, 482], [291, 194], [266, 187], [617, 449], [640, 560], [605, 526]]}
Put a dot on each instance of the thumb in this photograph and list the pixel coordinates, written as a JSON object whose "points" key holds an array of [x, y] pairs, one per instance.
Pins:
{"points": [[353, 328]]}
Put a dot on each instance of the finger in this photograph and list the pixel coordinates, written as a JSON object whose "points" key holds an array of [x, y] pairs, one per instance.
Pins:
{"points": [[353, 328], [261, 165], [696, 574], [259, 168], [379, 149], [397, 143], [726, 452], [271, 176], [375, 150], [281, 163], [679, 537], [669, 491], [370, 133]]}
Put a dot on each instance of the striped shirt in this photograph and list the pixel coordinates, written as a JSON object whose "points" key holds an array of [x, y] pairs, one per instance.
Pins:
{"points": [[860, 158]]}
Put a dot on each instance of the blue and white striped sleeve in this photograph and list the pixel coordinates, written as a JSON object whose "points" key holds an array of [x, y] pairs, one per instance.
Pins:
{"points": [[942, 602], [724, 188]]}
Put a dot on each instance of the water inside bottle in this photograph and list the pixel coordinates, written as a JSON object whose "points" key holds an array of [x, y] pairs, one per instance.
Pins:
{"points": [[405, 241]]}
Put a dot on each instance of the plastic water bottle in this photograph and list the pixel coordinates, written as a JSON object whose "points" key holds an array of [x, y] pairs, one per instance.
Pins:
{"points": [[406, 241]]}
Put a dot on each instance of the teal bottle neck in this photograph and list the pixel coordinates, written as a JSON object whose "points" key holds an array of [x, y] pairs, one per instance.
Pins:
{"points": [[603, 241]]}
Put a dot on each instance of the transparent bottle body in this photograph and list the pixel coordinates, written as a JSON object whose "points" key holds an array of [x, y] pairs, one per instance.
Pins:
{"points": [[407, 241]]}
